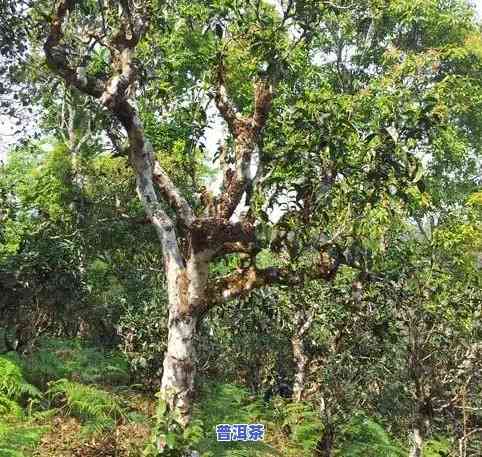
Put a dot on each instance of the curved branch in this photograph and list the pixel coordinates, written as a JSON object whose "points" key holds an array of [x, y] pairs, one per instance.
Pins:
{"points": [[56, 55], [172, 195], [243, 281], [227, 109]]}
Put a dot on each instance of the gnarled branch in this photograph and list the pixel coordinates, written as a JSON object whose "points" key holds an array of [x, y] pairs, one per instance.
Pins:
{"points": [[246, 132], [56, 55], [214, 233]]}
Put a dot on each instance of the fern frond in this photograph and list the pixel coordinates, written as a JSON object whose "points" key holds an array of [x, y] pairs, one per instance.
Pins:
{"points": [[12, 383], [98, 409]]}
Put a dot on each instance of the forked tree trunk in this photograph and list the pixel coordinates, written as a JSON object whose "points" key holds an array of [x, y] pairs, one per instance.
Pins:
{"points": [[186, 278]]}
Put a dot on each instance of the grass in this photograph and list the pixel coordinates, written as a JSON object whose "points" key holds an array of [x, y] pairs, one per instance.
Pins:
{"points": [[19, 438]]}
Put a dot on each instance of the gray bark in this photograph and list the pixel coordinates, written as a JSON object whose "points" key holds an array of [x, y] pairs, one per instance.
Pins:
{"points": [[301, 362], [416, 449], [187, 295], [302, 325], [186, 278]]}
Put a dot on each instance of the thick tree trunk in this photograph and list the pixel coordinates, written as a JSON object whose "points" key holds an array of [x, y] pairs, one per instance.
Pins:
{"points": [[179, 363], [187, 294]]}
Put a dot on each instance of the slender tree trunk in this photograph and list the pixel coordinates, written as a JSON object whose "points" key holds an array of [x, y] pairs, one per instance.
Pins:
{"points": [[416, 449], [301, 362], [324, 447], [302, 325], [421, 418]]}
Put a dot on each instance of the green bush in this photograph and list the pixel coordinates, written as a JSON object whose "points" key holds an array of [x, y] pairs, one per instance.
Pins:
{"points": [[437, 447]]}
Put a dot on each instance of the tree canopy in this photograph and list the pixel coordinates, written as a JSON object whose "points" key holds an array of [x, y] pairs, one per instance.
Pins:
{"points": [[240, 202]]}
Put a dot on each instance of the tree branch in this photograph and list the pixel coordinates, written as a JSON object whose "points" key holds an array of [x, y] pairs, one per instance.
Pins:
{"points": [[216, 233], [56, 55], [243, 281], [172, 195], [227, 109], [246, 132], [263, 97], [306, 325], [114, 96]]}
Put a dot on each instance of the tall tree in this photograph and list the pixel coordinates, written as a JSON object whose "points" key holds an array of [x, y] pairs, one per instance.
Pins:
{"points": [[327, 110]]}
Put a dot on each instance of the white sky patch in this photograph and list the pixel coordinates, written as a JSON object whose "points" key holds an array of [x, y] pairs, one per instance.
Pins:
{"points": [[7, 135], [478, 7]]}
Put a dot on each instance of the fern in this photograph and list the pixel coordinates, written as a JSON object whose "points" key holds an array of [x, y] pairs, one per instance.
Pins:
{"points": [[97, 409], [12, 383], [74, 360], [9, 407], [363, 437], [301, 421], [18, 439], [232, 404]]}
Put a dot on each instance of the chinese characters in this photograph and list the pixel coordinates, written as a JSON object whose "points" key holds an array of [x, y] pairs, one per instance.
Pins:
{"points": [[240, 432]]}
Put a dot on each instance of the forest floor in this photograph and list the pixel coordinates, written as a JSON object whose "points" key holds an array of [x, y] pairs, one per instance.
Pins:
{"points": [[67, 399], [71, 399]]}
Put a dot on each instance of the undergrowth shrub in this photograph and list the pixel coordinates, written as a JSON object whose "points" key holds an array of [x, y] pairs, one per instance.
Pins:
{"points": [[230, 404], [437, 447], [77, 361], [174, 437], [300, 421], [98, 410], [363, 437]]}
